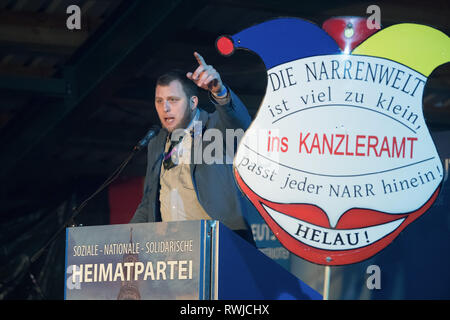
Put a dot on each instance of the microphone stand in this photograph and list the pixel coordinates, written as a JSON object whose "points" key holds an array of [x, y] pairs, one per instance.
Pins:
{"points": [[76, 210]]}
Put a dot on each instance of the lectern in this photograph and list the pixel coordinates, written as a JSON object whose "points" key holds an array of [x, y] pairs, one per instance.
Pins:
{"points": [[195, 260]]}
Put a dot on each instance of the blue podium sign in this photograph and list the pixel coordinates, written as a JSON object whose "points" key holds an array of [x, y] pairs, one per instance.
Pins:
{"points": [[137, 261]]}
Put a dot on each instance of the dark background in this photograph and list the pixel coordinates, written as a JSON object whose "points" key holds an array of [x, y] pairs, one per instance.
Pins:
{"points": [[73, 103]]}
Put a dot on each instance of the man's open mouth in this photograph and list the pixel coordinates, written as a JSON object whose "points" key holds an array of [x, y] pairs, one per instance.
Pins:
{"points": [[304, 229], [169, 120]]}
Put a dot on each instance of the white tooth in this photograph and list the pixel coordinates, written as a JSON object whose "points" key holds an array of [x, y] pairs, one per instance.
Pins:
{"points": [[332, 239]]}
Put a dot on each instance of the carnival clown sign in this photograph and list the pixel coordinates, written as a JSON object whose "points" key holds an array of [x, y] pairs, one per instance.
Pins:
{"points": [[339, 159]]}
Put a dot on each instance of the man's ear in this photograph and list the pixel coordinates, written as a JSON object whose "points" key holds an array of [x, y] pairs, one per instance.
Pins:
{"points": [[193, 102]]}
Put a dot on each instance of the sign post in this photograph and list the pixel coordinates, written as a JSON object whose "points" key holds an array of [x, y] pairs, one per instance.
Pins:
{"points": [[326, 283]]}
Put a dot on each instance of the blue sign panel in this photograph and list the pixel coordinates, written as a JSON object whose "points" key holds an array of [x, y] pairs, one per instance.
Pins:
{"points": [[137, 261]]}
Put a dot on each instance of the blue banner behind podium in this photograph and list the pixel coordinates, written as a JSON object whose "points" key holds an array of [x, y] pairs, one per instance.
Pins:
{"points": [[243, 272], [172, 260]]}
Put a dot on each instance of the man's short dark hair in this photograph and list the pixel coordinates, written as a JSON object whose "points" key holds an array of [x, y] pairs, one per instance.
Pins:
{"points": [[189, 88]]}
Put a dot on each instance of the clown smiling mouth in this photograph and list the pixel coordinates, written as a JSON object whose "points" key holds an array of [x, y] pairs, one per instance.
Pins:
{"points": [[332, 239], [304, 229]]}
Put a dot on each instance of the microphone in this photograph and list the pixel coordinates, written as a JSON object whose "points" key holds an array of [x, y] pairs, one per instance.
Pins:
{"points": [[146, 139]]}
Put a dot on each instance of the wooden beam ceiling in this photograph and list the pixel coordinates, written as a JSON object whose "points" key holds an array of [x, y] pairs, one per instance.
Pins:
{"points": [[44, 32]]}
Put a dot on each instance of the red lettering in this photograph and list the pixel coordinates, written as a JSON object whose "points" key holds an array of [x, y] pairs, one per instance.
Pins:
{"points": [[329, 146], [385, 147], [284, 144], [274, 143], [339, 144], [358, 145], [412, 142], [347, 153], [303, 143], [372, 146], [277, 139], [395, 150], [315, 144]]}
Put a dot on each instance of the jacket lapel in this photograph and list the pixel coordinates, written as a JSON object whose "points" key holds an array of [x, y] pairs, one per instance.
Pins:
{"points": [[197, 142]]}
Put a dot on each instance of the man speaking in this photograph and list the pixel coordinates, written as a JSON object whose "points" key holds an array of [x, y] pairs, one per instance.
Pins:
{"points": [[177, 186]]}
